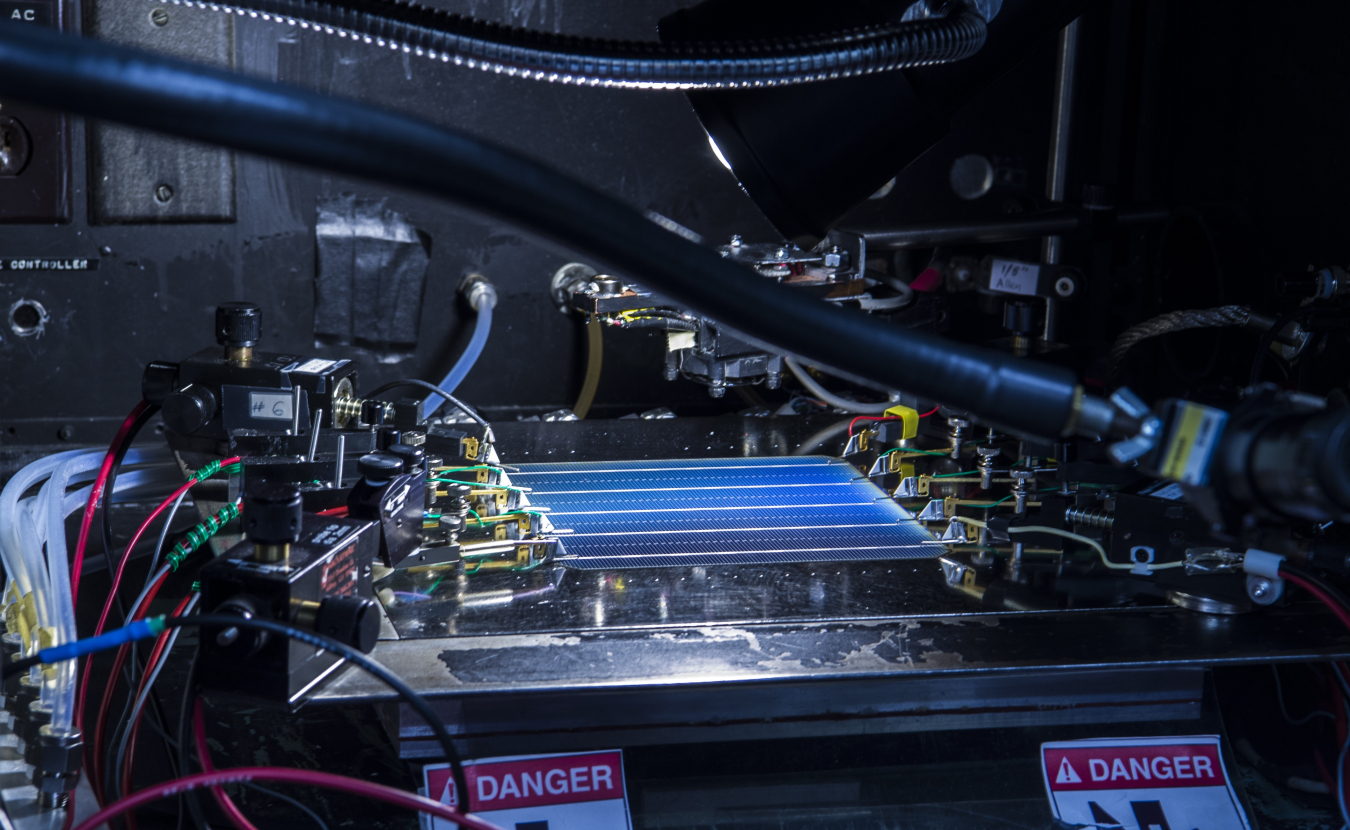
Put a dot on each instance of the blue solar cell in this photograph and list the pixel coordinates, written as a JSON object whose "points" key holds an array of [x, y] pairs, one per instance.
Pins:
{"points": [[720, 511]]}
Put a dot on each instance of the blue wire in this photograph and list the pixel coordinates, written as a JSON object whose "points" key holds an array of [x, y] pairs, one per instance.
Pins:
{"points": [[481, 328], [138, 630]]}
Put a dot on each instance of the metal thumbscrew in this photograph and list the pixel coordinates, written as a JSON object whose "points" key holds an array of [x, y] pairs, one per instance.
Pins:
{"points": [[163, 193], [159, 17]]}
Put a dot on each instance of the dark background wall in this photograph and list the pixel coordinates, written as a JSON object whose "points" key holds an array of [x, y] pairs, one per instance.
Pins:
{"points": [[1179, 103]]}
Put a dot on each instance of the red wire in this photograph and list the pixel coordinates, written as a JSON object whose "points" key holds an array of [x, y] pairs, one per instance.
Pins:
{"points": [[309, 778], [95, 759], [204, 755], [1321, 595], [872, 418], [333, 511], [155, 653], [95, 493]]}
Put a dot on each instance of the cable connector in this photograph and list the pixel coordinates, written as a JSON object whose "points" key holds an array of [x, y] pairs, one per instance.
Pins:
{"points": [[1264, 584], [479, 291]]}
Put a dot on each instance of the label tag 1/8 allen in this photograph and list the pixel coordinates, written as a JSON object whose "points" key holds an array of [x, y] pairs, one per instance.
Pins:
{"points": [[1142, 784], [580, 791]]}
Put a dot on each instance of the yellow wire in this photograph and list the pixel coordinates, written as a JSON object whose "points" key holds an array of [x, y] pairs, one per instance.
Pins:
{"points": [[594, 359]]}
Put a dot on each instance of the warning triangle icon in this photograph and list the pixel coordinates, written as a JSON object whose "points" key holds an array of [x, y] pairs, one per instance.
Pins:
{"points": [[1066, 774]]}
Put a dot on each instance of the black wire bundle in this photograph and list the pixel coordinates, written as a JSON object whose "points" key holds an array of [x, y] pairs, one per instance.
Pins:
{"points": [[210, 623], [1336, 594]]}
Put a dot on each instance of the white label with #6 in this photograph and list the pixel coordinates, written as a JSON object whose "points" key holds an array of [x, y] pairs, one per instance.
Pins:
{"points": [[1013, 277], [269, 406]]}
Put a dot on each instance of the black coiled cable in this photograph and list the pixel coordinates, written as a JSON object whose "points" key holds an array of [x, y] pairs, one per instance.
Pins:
{"points": [[543, 56]]}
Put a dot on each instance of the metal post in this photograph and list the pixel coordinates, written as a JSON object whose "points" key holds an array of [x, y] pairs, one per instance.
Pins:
{"points": [[341, 459], [1058, 167]]}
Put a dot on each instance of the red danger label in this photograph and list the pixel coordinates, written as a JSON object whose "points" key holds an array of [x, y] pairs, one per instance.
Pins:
{"points": [[533, 782], [1133, 767]]}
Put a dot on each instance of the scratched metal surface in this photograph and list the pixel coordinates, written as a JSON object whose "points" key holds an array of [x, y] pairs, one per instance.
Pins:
{"points": [[688, 655]]}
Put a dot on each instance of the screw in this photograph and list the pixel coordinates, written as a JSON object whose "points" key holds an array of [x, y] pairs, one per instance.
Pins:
{"points": [[163, 193], [159, 17], [1258, 588], [1064, 287], [66, 432], [986, 463], [1020, 479], [736, 240]]}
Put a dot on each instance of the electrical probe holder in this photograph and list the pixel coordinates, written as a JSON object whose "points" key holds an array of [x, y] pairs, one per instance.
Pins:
{"points": [[327, 572], [397, 505], [219, 393]]}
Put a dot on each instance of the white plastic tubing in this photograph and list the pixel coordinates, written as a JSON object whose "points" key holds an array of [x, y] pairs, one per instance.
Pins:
{"points": [[35, 554]]}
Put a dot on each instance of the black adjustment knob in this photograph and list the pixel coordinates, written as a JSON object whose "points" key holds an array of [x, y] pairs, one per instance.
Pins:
{"points": [[413, 457], [387, 437], [379, 467], [372, 412], [188, 409], [349, 620], [235, 641], [273, 513], [158, 381], [238, 324]]}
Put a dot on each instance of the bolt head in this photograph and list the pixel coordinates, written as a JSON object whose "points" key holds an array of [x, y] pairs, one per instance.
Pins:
{"points": [[1065, 287], [163, 194], [159, 17]]}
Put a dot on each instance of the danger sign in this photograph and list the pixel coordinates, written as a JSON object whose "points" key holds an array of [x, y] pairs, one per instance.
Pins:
{"points": [[583, 791], [1143, 783]]}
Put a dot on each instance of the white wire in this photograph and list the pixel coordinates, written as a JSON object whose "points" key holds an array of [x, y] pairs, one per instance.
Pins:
{"points": [[136, 603], [163, 534], [834, 400], [1092, 543]]}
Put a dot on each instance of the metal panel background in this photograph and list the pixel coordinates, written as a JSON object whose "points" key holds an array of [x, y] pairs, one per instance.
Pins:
{"points": [[135, 177], [153, 295]]}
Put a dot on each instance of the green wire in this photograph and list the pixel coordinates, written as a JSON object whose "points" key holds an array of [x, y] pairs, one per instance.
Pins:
{"points": [[920, 452], [198, 536], [991, 504], [478, 484], [508, 515], [469, 469], [950, 475]]}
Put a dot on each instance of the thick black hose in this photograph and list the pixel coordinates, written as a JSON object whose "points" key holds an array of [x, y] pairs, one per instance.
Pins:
{"points": [[281, 121], [409, 27]]}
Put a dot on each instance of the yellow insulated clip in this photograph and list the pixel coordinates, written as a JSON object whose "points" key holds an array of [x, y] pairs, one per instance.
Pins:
{"points": [[909, 420]]}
